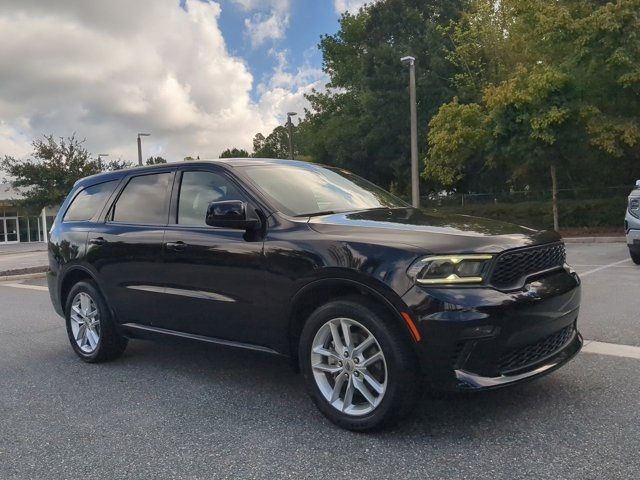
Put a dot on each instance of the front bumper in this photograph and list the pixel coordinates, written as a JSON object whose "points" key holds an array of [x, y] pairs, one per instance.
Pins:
{"points": [[475, 381], [477, 338], [633, 239], [632, 229]]}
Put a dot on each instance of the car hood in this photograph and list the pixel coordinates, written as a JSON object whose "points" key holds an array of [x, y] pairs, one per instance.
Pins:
{"points": [[434, 231]]}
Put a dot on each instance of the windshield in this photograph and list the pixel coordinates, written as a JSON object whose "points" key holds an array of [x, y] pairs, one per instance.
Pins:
{"points": [[308, 189]]}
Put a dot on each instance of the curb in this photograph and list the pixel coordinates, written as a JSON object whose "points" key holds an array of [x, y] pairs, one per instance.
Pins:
{"points": [[19, 252], [8, 276], [595, 240]]}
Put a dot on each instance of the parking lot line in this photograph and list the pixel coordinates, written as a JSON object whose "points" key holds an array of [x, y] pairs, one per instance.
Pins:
{"points": [[596, 265], [612, 349], [28, 287], [594, 270]]}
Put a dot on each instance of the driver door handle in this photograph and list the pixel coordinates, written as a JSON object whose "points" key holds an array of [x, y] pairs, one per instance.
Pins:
{"points": [[178, 246], [97, 241]]}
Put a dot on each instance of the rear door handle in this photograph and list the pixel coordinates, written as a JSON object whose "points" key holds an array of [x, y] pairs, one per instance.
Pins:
{"points": [[97, 241], [178, 246]]}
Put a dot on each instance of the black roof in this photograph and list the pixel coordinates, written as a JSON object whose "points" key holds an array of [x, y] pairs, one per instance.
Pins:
{"points": [[257, 161], [230, 162]]}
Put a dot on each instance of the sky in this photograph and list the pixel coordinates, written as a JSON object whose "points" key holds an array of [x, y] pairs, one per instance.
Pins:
{"points": [[199, 76]]}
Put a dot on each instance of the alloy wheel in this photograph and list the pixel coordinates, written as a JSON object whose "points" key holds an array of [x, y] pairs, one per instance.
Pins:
{"points": [[85, 322], [349, 366]]}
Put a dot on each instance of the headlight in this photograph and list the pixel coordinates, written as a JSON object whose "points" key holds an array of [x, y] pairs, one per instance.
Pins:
{"points": [[450, 269], [634, 207]]}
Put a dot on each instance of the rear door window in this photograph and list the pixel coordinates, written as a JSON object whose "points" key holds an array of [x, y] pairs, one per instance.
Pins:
{"points": [[87, 203], [145, 200]]}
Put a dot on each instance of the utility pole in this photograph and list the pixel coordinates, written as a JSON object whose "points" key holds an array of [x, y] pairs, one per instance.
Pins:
{"points": [[100, 155], [415, 183], [290, 126], [140, 146]]}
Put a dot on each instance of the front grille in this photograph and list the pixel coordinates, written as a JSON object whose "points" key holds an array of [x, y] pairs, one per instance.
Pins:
{"points": [[531, 354], [513, 267]]}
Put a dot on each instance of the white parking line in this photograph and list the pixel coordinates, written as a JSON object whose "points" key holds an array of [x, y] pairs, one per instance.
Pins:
{"points": [[612, 349], [589, 272], [596, 265], [28, 287]]}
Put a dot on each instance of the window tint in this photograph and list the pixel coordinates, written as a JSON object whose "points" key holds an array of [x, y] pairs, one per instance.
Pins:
{"points": [[144, 200], [88, 201], [198, 190]]}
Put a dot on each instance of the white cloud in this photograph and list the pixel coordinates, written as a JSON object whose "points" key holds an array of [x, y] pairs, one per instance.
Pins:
{"points": [[281, 5], [269, 20], [96, 69], [285, 90], [261, 27], [12, 142], [352, 6]]}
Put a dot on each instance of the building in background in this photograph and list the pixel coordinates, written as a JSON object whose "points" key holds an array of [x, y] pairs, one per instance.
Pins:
{"points": [[17, 225]]}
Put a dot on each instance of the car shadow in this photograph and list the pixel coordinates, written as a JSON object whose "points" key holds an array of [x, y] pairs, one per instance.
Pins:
{"points": [[264, 387]]}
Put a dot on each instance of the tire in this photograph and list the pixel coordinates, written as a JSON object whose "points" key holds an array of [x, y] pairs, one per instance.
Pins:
{"points": [[396, 377], [99, 341], [635, 256]]}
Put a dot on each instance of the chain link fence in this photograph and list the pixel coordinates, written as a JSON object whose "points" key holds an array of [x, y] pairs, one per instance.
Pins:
{"points": [[590, 210], [469, 199]]}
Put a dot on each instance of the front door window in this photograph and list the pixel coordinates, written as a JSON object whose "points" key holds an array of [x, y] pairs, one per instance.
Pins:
{"points": [[2, 230]]}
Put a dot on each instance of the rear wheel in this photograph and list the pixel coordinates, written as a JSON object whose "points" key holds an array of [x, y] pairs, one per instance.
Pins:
{"points": [[90, 327], [635, 255], [359, 370]]}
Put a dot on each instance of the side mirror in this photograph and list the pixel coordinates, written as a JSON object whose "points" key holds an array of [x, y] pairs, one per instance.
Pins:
{"points": [[231, 214], [638, 183]]}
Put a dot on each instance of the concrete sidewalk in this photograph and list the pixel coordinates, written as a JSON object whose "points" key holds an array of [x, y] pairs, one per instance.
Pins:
{"points": [[23, 258]]}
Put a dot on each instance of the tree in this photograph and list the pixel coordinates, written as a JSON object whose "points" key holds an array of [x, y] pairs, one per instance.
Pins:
{"points": [[544, 85], [48, 176], [458, 142], [258, 142], [155, 161], [114, 165], [362, 122], [234, 153], [536, 122], [276, 145]]}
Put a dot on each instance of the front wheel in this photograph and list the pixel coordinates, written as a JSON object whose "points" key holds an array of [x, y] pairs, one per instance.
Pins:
{"points": [[635, 255], [358, 367]]}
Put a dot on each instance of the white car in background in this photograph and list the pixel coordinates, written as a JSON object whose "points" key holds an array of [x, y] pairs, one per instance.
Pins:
{"points": [[632, 224]]}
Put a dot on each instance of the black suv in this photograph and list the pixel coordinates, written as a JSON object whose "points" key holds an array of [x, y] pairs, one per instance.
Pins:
{"points": [[372, 299]]}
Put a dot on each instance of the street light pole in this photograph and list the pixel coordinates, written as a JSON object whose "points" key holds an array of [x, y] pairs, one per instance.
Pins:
{"points": [[140, 146], [290, 126], [100, 155], [415, 184]]}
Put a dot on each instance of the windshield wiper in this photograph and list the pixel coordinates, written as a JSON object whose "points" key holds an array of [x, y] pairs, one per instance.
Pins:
{"points": [[379, 208], [333, 212], [317, 214]]}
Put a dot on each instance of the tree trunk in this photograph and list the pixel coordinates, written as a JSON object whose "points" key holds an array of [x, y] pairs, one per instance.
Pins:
{"points": [[554, 196]]}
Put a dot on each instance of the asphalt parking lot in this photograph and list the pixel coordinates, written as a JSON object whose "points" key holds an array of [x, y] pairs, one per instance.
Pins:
{"points": [[176, 411]]}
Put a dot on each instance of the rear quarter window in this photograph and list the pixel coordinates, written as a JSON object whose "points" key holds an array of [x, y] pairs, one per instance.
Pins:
{"points": [[87, 203]]}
